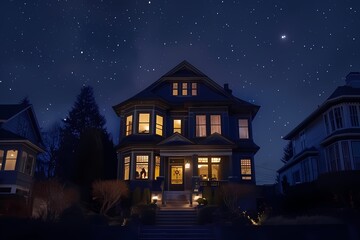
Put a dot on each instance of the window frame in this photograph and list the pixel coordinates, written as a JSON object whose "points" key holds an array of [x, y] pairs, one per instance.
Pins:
{"points": [[175, 89], [12, 159], [127, 163], [148, 123], [184, 88], [139, 162], [159, 128], [246, 169], [244, 128], [129, 126], [194, 89], [199, 127], [210, 162], [174, 129], [217, 125]]}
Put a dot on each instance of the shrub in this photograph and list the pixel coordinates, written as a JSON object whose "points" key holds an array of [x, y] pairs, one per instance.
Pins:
{"points": [[109, 193]]}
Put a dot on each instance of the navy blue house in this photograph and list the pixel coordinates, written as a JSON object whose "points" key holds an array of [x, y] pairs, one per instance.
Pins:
{"points": [[188, 131]]}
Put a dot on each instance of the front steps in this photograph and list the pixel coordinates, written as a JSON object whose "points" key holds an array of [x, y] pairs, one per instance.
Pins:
{"points": [[176, 220]]}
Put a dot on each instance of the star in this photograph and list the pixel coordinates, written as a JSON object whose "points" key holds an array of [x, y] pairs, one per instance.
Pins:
{"points": [[283, 37]]}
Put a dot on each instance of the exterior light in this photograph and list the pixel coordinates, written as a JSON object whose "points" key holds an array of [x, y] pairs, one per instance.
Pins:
{"points": [[187, 165]]}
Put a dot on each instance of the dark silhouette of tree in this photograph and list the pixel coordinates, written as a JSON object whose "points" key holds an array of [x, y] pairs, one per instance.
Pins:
{"points": [[47, 161], [84, 143], [25, 101], [288, 152]]}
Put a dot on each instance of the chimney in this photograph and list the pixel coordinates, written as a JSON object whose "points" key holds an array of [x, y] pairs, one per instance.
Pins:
{"points": [[227, 89], [353, 79]]}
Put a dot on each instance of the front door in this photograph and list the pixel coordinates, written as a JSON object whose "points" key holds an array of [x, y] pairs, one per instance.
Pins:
{"points": [[176, 177]]}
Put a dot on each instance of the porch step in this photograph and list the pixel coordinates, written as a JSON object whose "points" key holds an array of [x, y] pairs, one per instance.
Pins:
{"points": [[177, 199], [176, 217], [176, 233]]}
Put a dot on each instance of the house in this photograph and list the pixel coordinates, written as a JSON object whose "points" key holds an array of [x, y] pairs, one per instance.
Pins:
{"points": [[20, 142], [327, 143], [187, 131]]}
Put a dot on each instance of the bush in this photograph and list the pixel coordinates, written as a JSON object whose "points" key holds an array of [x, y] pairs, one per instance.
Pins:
{"points": [[146, 213]]}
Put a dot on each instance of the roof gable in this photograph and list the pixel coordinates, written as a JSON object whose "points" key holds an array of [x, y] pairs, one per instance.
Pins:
{"points": [[176, 139], [8, 111], [184, 69], [216, 139]]}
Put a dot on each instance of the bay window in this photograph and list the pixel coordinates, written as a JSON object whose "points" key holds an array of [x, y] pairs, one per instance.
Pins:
{"points": [[159, 125], [209, 170], [144, 123], [10, 161], [129, 125], [127, 168], [142, 167]]}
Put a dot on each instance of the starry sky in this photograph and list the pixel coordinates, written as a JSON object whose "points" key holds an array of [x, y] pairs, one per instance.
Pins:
{"points": [[286, 56]]}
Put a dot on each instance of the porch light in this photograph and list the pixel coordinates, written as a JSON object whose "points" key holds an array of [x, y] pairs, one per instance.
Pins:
{"points": [[187, 164]]}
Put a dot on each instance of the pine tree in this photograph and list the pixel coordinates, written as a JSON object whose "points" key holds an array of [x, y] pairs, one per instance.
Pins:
{"points": [[82, 154]]}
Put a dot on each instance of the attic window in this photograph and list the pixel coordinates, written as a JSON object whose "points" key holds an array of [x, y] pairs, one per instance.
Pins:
{"points": [[193, 89], [175, 90]]}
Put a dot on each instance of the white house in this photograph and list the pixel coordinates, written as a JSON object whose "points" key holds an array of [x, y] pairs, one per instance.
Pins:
{"points": [[328, 140]]}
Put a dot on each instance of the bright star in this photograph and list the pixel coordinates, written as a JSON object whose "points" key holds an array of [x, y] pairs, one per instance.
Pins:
{"points": [[283, 36]]}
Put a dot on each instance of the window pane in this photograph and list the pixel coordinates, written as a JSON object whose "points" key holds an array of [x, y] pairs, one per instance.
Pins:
{"points": [[215, 121], [184, 89], [346, 155], [200, 125], [159, 125], [354, 116], [215, 170], [23, 162], [194, 89], [142, 167], [215, 159], [175, 90], [245, 165], [10, 161], [126, 168], [129, 122], [243, 129], [338, 117], [356, 154], [157, 167], [203, 171], [202, 160], [29, 165], [144, 122], [177, 126], [1, 158]]}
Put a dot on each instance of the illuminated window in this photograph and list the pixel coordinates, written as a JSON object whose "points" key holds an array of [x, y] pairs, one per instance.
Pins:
{"points": [[177, 125], [157, 167], [142, 167], [129, 125], [184, 91], [245, 169], [243, 129], [209, 170], [175, 90], [144, 122], [126, 168], [159, 125], [1, 158], [10, 161], [201, 125], [194, 89], [215, 122]]}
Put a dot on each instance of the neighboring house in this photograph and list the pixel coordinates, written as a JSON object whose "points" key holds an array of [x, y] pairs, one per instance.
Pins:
{"points": [[328, 140], [20, 142], [187, 130]]}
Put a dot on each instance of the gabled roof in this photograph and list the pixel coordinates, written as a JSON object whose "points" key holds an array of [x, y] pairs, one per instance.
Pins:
{"points": [[183, 70], [8, 111], [216, 139], [175, 139], [341, 94]]}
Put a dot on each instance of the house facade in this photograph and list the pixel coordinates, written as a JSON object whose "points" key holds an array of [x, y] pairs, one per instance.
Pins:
{"points": [[328, 140], [20, 143], [187, 131]]}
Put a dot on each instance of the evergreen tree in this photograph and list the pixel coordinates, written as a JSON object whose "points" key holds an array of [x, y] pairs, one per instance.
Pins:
{"points": [[82, 155]]}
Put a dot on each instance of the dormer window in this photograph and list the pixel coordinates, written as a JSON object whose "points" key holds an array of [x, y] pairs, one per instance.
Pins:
{"points": [[144, 123], [184, 89], [175, 90]]}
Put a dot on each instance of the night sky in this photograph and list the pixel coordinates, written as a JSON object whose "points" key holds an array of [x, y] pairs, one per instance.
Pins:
{"points": [[286, 56]]}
